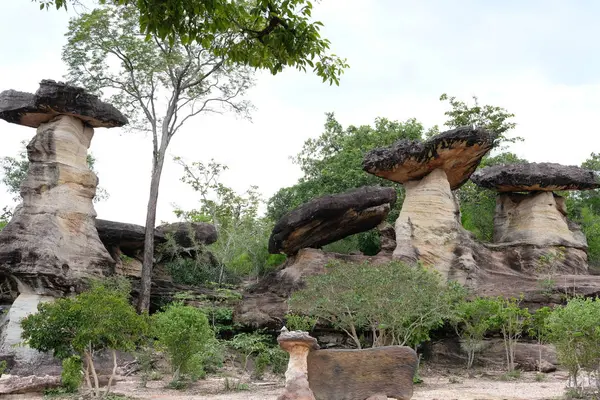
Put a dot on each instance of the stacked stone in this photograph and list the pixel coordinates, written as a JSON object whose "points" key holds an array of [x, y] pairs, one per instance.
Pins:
{"points": [[428, 228], [530, 213]]}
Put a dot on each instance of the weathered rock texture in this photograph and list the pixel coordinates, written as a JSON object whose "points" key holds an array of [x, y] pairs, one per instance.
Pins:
{"points": [[429, 223], [23, 360], [56, 98], [298, 344], [265, 304], [330, 218], [531, 177], [493, 354], [28, 384], [457, 152], [359, 374], [51, 242]]}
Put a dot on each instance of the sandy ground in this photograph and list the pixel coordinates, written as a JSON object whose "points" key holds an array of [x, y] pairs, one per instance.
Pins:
{"points": [[435, 387]]}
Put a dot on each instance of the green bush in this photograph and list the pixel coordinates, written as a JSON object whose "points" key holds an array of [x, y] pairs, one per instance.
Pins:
{"points": [[396, 303], [182, 332], [574, 330], [249, 344], [100, 318], [72, 374], [3, 366], [296, 322]]}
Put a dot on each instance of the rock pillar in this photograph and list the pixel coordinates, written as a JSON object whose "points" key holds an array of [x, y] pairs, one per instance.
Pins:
{"points": [[298, 344]]}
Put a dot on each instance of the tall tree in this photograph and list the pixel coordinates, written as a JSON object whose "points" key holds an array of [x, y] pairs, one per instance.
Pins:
{"points": [[161, 83], [266, 34]]}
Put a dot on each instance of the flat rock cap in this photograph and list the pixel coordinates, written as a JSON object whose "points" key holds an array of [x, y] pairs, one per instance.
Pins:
{"points": [[57, 98], [330, 218], [458, 152], [290, 339], [531, 177]]}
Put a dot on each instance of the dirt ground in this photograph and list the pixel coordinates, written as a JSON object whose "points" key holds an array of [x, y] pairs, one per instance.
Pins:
{"points": [[436, 386]]}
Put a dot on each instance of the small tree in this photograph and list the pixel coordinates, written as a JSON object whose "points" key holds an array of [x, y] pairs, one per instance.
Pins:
{"points": [[575, 331], [95, 320], [249, 344], [538, 328], [397, 304], [183, 332], [511, 319], [473, 320]]}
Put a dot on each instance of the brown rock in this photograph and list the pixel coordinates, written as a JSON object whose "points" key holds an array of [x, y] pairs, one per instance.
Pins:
{"points": [[28, 384], [387, 237], [359, 374], [51, 243], [457, 152], [330, 218], [56, 98], [530, 177], [190, 234], [128, 238], [298, 344]]}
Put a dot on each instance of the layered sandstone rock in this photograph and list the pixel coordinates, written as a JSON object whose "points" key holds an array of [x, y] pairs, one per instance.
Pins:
{"points": [[361, 374], [298, 344], [330, 218], [428, 228], [51, 243]]}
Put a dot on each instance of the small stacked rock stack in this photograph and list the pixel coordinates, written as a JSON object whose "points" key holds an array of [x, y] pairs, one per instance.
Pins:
{"points": [[529, 213], [51, 243], [298, 344], [429, 227]]}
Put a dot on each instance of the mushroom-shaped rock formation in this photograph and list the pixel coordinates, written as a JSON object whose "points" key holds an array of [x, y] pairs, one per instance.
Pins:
{"points": [[360, 374], [535, 177], [190, 234], [330, 218], [537, 221], [457, 152], [298, 344], [51, 241], [428, 228]]}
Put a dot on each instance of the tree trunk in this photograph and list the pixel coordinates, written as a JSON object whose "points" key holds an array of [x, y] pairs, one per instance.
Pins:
{"points": [[88, 357], [114, 372], [146, 280]]}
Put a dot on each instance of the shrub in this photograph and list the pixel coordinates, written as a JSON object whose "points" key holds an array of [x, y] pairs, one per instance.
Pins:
{"points": [[98, 319], [182, 332], [574, 330], [72, 374], [511, 319], [296, 322], [396, 303], [249, 344]]}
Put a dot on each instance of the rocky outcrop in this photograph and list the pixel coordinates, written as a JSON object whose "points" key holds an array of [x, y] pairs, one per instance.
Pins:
{"points": [[330, 218], [387, 237], [265, 304], [28, 384], [530, 177], [298, 344], [128, 238], [56, 98], [457, 152], [360, 374], [189, 236]]}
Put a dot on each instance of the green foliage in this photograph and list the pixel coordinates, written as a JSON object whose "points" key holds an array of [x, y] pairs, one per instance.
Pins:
{"points": [[97, 319], [72, 374], [473, 319], [295, 322], [182, 332], [249, 344], [396, 303], [512, 320], [575, 331], [241, 250], [265, 34], [3, 366]]}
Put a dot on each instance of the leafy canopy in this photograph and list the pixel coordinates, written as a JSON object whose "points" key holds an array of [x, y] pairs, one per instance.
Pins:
{"points": [[264, 34]]}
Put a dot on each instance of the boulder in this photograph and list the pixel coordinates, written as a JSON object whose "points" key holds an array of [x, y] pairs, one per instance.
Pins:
{"points": [[457, 152], [298, 344], [387, 237], [330, 218], [128, 238], [360, 374], [56, 98], [533, 177], [189, 234], [28, 384]]}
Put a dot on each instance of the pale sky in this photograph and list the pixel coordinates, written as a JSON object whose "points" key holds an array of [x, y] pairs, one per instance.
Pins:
{"points": [[540, 59]]}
